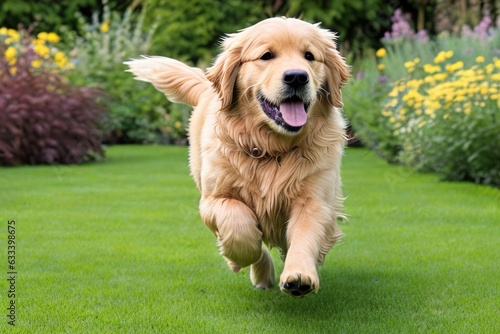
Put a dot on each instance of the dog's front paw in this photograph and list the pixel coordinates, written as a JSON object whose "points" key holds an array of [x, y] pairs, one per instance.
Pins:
{"points": [[298, 284]]}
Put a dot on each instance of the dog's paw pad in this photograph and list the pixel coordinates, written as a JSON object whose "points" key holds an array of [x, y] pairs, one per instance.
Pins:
{"points": [[296, 289]]}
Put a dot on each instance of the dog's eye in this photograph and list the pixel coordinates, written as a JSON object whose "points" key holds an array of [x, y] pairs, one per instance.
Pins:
{"points": [[309, 56], [267, 56]]}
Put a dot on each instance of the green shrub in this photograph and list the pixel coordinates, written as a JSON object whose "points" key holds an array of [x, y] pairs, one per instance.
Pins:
{"points": [[364, 97], [137, 113], [44, 119]]}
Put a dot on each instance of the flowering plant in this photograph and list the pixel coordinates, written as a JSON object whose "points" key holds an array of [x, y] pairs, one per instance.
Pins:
{"points": [[446, 117], [44, 119], [440, 101], [41, 52]]}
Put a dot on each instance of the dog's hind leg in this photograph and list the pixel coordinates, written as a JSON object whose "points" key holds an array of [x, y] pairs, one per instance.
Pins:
{"points": [[236, 229], [262, 271]]}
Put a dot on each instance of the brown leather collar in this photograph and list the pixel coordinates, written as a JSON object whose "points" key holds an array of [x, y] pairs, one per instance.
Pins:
{"points": [[258, 153]]}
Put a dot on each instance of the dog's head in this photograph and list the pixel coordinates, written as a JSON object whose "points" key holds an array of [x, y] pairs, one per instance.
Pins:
{"points": [[283, 69]]}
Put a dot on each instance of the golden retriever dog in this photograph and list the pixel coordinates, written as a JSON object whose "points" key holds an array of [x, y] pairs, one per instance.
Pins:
{"points": [[266, 140]]}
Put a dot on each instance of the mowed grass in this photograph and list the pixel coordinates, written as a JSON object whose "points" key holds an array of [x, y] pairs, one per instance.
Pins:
{"points": [[118, 247]]}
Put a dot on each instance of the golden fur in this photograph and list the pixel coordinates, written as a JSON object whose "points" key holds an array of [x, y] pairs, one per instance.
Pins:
{"points": [[260, 182]]}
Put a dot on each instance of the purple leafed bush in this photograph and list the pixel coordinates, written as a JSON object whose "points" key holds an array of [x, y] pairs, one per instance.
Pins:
{"points": [[45, 120]]}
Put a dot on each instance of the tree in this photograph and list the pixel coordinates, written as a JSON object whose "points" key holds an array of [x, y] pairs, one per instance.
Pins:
{"points": [[48, 15], [191, 30]]}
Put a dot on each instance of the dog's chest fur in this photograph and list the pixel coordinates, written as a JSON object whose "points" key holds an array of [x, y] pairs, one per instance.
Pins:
{"points": [[270, 182]]}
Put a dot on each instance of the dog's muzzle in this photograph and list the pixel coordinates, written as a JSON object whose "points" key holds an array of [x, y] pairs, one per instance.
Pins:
{"points": [[291, 113]]}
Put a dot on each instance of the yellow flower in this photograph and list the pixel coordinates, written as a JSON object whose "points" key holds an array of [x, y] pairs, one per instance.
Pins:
{"points": [[105, 26], [440, 57], [381, 53], [409, 64], [36, 63], [13, 70], [479, 59], [60, 59], [393, 103], [38, 41], [429, 68], [454, 67], [448, 54], [467, 111], [13, 34], [497, 63], [42, 50], [380, 67], [394, 92], [386, 113], [422, 123], [10, 54], [59, 56], [42, 35], [52, 37], [496, 77], [3, 31]]}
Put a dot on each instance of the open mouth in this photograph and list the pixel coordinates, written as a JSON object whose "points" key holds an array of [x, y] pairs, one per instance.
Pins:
{"points": [[291, 114]]}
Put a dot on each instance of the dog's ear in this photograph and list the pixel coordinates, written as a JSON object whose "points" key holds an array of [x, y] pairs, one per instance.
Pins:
{"points": [[224, 72], [337, 74]]}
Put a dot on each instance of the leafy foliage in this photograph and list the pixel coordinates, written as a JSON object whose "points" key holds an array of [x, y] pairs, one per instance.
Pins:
{"points": [[363, 97], [136, 111], [191, 30], [46, 14]]}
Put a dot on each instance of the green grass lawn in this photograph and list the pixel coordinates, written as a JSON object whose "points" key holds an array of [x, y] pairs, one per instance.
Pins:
{"points": [[118, 247]]}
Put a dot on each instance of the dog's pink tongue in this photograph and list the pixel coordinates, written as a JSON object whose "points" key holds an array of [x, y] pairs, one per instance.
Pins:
{"points": [[293, 113]]}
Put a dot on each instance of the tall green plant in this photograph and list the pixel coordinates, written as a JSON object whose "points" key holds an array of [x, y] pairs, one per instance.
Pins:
{"points": [[137, 112]]}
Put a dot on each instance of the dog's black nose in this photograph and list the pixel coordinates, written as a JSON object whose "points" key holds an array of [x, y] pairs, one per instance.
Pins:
{"points": [[296, 78]]}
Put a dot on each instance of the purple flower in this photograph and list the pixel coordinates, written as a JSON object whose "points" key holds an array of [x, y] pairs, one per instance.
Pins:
{"points": [[360, 75], [482, 31], [401, 27], [422, 36]]}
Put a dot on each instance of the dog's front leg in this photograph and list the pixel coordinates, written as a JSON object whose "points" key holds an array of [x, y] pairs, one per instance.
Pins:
{"points": [[236, 229], [311, 232]]}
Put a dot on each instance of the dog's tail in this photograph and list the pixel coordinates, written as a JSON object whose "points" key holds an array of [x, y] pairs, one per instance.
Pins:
{"points": [[179, 82]]}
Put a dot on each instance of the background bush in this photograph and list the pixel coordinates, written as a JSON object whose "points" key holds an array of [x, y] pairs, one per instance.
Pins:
{"points": [[440, 101], [137, 112], [44, 119], [364, 96]]}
